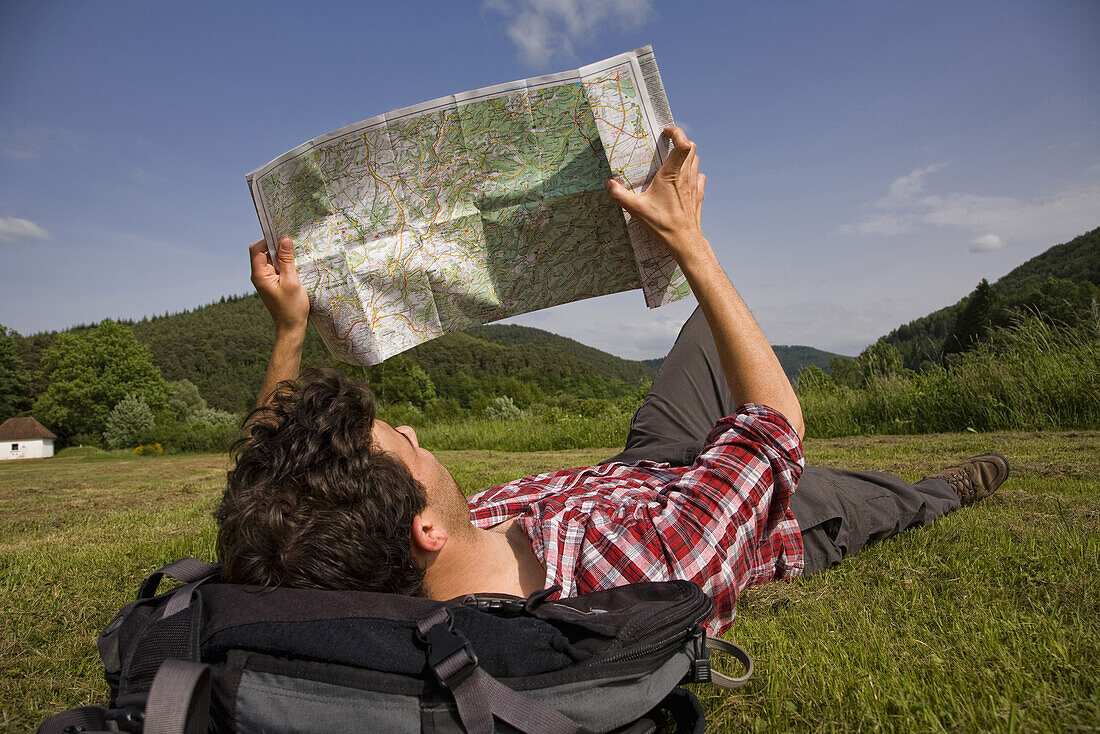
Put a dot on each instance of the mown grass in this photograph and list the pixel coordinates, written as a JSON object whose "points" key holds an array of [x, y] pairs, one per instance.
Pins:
{"points": [[985, 621]]}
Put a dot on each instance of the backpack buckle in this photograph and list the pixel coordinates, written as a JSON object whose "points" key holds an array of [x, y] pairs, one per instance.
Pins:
{"points": [[700, 664], [450, 655]]}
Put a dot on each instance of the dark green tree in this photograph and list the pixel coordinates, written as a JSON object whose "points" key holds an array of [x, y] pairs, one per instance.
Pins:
{"points": [[1060, 301], [401, 380], [88, 373], [15, 380], [974, 321]]}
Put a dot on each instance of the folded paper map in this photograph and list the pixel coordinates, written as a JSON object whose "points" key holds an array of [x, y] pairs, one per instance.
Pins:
{"points": [[474, 207]]}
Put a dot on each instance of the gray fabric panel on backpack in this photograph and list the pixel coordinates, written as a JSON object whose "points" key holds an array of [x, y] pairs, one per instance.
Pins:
{"points": [[268, 702], [602, 705], [271, 702]]}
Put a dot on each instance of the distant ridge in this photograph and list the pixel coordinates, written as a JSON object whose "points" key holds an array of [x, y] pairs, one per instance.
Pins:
{"points": [[793, 358], [796, 358]]}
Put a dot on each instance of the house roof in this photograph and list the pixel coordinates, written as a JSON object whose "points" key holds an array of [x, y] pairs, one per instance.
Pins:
{"points": [[14, 429]]}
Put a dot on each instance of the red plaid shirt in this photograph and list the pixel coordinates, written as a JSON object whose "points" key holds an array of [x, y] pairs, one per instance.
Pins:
{"points": [[723, 522]]}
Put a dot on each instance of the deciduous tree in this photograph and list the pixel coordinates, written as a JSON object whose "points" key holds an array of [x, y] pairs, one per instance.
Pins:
{"points": [[88, 374]]}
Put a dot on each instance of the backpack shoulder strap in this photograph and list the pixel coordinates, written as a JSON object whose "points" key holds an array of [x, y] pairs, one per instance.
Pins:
{"points": [[186, 570], [478, 695], [179, 700]]}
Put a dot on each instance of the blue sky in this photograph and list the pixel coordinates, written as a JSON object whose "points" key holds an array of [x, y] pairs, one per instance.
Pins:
{"points": [[867, 162]]}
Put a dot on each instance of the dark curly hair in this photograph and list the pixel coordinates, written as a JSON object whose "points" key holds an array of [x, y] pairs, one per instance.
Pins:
{"points": [[311, 503]]}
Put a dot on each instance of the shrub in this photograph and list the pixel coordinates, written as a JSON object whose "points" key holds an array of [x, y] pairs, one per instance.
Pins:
{"points": [[444, 409], [215, 417], [503, 408], [129, 423], [401, 380], [402, 414], [202, 437]]}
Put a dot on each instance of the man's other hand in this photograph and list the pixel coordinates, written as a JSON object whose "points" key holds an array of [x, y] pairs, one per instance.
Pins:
{"points": [[672, 207], [282, 293]]}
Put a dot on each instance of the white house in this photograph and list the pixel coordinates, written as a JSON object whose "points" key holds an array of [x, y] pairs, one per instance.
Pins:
{"points": [[25, 438]]}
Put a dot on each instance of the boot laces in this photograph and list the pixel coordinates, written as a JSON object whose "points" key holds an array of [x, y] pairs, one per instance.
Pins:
{"points": [[964, 484]]}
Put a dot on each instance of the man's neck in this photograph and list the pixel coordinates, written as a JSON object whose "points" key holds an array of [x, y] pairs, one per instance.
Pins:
{"points": [[499, 560]]}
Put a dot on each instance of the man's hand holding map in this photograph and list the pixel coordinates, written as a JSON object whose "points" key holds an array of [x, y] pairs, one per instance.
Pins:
{"points": [[473, 207]]}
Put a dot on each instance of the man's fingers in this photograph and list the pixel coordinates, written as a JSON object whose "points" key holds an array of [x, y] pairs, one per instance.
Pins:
{"points": [[257, 252], [621, 195], [677, 136], [286, 252], [681, 148], [701, 186], [288, 273]]}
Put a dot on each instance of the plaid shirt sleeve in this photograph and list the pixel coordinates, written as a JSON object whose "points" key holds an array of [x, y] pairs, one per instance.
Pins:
{"points": [[723, 522], [728, 524]]}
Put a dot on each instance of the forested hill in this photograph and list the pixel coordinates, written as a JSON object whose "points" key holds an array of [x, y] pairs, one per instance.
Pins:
{"points": [[223, 349], [510, 335], [1077, 260], [1061, 284]]}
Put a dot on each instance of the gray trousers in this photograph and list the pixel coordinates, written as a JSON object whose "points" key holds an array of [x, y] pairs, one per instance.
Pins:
{"points": [[838, 511]]}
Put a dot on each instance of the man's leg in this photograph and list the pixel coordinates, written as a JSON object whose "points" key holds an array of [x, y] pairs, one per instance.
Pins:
{"points": [[687, 398], [838, 511]]}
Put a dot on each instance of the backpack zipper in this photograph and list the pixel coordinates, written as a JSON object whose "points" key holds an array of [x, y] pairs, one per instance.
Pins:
{"points": [[644, 651]]}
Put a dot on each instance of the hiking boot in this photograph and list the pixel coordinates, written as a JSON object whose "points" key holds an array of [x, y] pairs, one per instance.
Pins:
{"points": [[976, 478]]}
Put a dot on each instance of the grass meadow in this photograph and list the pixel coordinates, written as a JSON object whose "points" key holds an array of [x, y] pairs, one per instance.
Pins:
{"points": [[986, 621]]}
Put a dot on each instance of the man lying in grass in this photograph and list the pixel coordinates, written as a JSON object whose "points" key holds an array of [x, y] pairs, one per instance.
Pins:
{"points": [[323, 495]]}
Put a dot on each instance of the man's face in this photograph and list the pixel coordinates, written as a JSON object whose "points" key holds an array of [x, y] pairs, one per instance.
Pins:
{"points": [[442, 490]]}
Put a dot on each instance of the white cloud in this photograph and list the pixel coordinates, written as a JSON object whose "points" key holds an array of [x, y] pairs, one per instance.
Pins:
{"points": [[905, 188], [1075, 208], [986, 243], [542, 29], [14, 229], [30, 143], [991, 221]]}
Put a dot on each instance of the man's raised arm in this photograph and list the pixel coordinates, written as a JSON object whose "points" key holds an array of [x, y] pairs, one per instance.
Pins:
{"points": [[671, 208], [287, 302]]}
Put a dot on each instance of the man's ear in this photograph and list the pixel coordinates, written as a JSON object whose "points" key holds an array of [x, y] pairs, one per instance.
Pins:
{"points": [[428, 534]]}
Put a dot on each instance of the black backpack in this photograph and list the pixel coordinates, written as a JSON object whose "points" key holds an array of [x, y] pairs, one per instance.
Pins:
{"points": [[232, 658]]}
